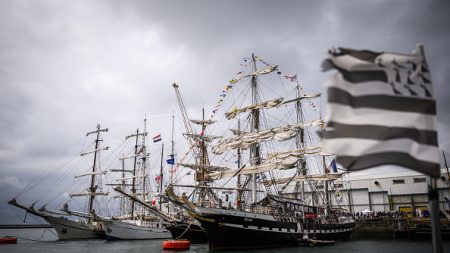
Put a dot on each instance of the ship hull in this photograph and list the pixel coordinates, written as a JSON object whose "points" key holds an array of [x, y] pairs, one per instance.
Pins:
{"points": [[240, 230], [75, 230], [194, 233], [232, 237], [122, 230]]}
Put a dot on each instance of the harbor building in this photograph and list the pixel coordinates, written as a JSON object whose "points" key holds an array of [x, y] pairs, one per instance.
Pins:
{"points": [[403, 192]]}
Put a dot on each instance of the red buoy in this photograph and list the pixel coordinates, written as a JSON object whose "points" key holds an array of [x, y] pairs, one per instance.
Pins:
{"points": [[176, 244], [8, 240]]}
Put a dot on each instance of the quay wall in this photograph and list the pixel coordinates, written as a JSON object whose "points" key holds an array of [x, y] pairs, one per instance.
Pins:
{"points": [[374, 229]]}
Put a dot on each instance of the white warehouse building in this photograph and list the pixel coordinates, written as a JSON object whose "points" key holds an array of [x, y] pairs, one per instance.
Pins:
{"points": [[397, 191]]}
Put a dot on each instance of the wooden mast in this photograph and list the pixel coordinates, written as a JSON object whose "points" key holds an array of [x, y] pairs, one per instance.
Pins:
{"points": [[143, 151], [238, 183], [161, 175], [172, 156], [254, 150], [301, 165], [93, 187], [133, 182]]}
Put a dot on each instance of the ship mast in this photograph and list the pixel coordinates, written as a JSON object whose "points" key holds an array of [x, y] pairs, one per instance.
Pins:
{"points": [[133, 182], [144, 165], [161, 176], [200, 151], [238, 180], [254, 150], [172, 155], [122, 200], [93, 188], [300, 143], [203, 160]]}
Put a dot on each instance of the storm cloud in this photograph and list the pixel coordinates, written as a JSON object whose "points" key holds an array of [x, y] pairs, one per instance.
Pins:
{"points": [[67, 65]]}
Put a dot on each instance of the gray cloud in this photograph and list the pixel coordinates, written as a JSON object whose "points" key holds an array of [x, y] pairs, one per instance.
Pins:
{"points": [[66, 66]]}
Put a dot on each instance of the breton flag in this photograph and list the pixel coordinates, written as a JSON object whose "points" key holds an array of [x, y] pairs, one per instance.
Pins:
{"points": [[381, 110], [157, 138]]}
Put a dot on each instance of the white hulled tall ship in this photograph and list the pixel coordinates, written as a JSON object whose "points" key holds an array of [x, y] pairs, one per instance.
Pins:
{"points": [[88, 226], [135, 223], [279, 152]]}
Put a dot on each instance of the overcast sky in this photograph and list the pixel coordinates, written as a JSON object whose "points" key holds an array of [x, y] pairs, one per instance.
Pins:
{"points": [[67, 65]]}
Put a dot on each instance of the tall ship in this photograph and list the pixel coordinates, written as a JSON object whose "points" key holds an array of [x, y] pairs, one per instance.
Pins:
{"points": [[275, 147], [137, 221], [88, 224], [141, 217]]}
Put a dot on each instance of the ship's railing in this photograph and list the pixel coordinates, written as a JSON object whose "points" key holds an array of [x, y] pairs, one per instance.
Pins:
{"points": [[242, 207]]}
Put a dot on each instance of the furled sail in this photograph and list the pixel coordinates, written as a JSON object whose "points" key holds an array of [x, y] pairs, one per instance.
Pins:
{"points": [[128, 157], [266, 104], [91, 174], [261, 168], [200, 137], [299, 153], [201, 122], [204, 166], [281, 161], [237, 132], [282, 133], [93, 151], [324, 177], [88, 194], [301, 98], [125, 178], [264, 71]]}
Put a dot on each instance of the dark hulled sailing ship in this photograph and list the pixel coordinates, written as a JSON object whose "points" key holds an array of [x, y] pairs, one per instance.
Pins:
{"points": [[275, 220]]}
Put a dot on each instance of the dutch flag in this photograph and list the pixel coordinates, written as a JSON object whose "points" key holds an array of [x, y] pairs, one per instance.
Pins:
{"points": [[157, 138]]}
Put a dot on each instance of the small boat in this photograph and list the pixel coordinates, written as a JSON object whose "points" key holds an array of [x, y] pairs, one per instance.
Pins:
{"points": [[176, 244], [320, 242], [312, 242], [8, 240]]}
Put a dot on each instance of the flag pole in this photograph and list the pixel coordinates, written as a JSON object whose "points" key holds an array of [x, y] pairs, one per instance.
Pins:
{"points": [[161, 176], [433, 196]]}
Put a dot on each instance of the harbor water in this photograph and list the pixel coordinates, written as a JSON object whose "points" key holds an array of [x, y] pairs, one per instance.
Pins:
{"points": [[44, 240]]}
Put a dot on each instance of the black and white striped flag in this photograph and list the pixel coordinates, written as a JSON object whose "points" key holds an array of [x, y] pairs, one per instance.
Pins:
{"points": [[381, 110]]}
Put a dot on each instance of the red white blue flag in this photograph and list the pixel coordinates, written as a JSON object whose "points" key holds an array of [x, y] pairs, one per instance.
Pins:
{"points": [[157, 138], [291, 78]]}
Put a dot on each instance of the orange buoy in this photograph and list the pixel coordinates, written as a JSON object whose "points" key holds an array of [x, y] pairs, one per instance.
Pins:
{"points": [[8, 240], [176, 244]]}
